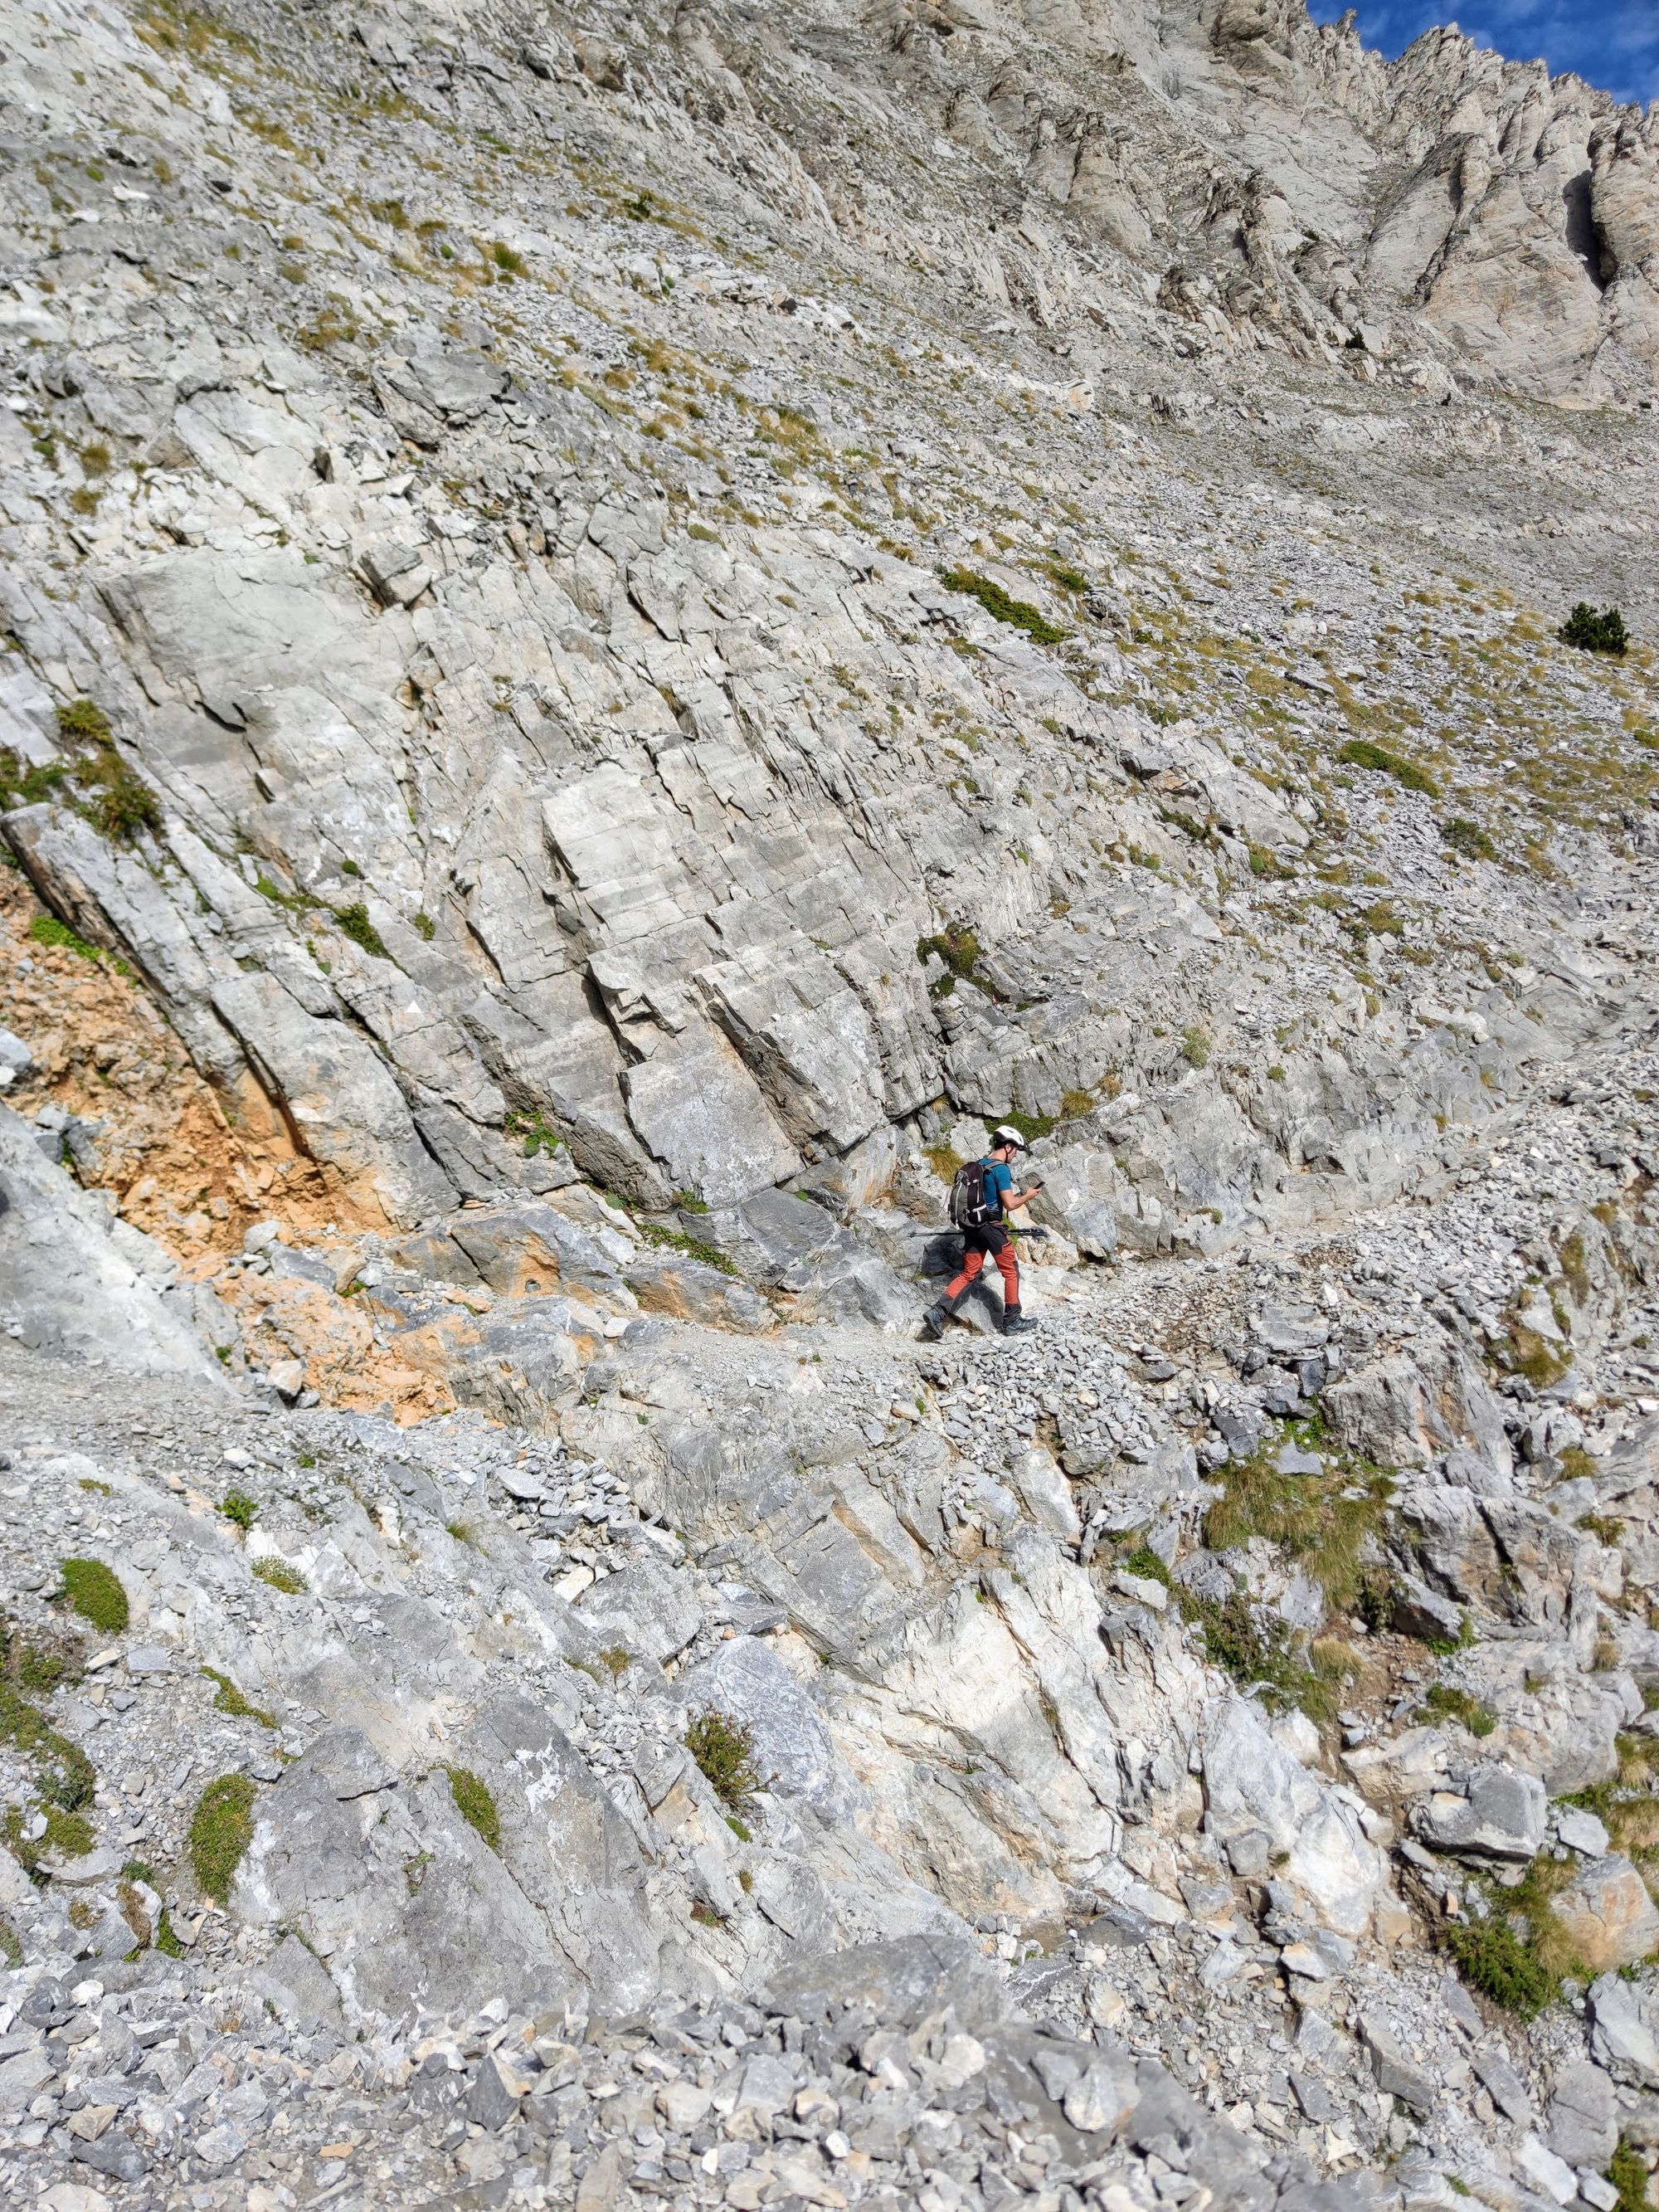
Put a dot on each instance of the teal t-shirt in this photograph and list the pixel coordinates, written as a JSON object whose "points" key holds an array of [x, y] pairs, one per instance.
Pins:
{"points": [[999, 1178]]}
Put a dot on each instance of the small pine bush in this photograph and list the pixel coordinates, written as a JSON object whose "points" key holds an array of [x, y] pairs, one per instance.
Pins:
{"points": [[725, 1750], [1595, 632]]}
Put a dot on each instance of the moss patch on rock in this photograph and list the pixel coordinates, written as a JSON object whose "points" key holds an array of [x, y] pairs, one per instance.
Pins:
{"points": [[94, 1591], [475, 1804], [220, 1829]]}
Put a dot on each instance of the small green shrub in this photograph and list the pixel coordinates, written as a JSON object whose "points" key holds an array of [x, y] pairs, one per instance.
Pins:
{"points": [[83, 722], [1256, 1655], [229, 1700], [724, 1751], [24, 784], [739, 1828], [1627, 2172], [353, 921], [1360, 752], [1031, 1126], [425, 926], [1195, 1048], [1595, 632], [94, 1591], [220, 1829], [535, 1133], [958, 947], [618, 1659], [676, 1240], [1146, 1562], [166, 1940], [1493, 1959], [236, 1505], [1440, 1702], [279, 1575], [46, 929], [122, 802], [475, 1804], [1468, 838], [111, 794], [1019, 614]]}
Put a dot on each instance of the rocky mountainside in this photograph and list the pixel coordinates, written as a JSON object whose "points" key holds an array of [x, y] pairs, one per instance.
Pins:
{"points": [[621, 628]]}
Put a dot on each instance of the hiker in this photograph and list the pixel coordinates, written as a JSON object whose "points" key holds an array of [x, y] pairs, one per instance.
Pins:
{"points": [[982, 1193]]}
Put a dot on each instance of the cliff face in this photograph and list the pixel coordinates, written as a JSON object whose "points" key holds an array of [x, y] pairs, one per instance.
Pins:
{"points": [[1239, 146], [381, 543]]}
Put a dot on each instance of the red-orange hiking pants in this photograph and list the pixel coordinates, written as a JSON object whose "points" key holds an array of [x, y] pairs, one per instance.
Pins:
{"points": [[976, 1244]]}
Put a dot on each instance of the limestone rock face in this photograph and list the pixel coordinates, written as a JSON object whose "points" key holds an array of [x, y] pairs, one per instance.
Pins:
{"points": [[82, 1285], [1607, 1910]]}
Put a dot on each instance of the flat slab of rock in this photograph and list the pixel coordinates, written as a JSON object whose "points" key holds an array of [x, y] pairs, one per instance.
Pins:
{"points": [[1502, 1816]]}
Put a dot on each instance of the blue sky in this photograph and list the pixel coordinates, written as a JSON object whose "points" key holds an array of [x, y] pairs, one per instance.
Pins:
{"points": [[1611, 43]]}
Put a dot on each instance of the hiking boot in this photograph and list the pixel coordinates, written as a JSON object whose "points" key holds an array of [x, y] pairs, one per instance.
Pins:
{"points": [[1016, 1323], [934, 1321]]}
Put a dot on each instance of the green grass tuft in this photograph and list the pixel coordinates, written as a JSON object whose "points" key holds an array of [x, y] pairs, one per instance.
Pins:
{"points": [[1360, 752], [46, 929], [1493, 1959], [1312, 1518], [230, 1700], [1627, 2172], [1443, 1703], [353, 921], [1468, 838], [236, 1505]]}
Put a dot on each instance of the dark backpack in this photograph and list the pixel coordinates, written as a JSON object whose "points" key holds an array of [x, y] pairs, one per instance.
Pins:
{"points": [[973, 1202]]}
